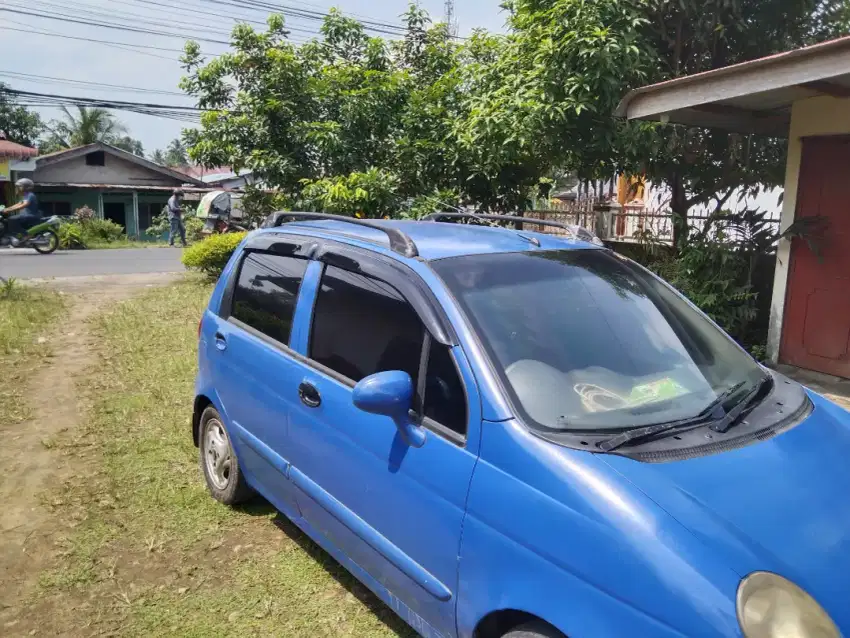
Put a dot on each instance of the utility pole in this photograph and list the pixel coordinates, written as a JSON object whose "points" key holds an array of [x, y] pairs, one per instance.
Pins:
{"points": [[450, 17]]}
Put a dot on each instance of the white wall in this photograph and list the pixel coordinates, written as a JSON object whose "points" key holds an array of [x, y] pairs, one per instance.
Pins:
{"points": [[814, 116]]}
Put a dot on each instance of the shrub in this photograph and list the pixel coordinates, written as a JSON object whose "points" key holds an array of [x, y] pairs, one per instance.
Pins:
{"points": [[210, 256], [160, 226], [101, 230], [84, 214], [71, 236]]}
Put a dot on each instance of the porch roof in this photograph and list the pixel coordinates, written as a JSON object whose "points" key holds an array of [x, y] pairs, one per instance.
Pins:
{"points": [[750, 97], [135, 187]]}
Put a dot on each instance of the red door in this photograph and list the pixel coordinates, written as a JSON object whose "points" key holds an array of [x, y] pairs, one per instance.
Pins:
{"points": [[816, 331]]}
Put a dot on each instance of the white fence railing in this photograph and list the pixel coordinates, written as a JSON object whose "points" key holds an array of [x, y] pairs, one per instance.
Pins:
{"points": [[631, 223]]}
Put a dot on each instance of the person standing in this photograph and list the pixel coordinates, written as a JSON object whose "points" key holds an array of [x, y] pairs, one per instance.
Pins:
{"points": [[29, 214], [175, 218]]}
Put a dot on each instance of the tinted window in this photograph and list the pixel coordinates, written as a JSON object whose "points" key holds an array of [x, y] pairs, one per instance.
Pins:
{"points": [[586, 340], [362, 325], [265, 293], [445, 401]]}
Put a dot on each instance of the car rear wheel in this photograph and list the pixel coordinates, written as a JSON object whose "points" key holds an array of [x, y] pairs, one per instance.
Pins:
{"points": [[535, 629], [218, 461]]}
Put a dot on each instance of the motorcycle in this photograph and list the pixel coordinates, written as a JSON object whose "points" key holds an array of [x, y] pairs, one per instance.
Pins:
{"points": [[42, 237]]}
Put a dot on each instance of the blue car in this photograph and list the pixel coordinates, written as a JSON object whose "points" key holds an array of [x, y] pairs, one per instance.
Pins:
{"points": [[504, 433]]}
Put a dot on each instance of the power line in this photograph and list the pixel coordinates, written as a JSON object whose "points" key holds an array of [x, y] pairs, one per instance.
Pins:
{"points": [[31, 77], [118, 45], [190, 114], [67, 18]]}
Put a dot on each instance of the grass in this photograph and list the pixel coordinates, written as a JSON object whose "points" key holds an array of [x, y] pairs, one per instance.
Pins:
{"points": [[25, 314], [124, 242], [149, 552]]}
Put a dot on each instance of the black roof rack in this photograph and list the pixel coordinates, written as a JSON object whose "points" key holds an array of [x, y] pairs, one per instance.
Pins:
{"points": [[435, 217], [400, 242]]}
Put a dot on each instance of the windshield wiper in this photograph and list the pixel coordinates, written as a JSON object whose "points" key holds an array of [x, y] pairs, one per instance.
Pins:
{"points": [[706, 416], [737, 413]]}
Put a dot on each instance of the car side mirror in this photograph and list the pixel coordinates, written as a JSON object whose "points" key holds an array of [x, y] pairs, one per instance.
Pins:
{"points": [[390, 394]]}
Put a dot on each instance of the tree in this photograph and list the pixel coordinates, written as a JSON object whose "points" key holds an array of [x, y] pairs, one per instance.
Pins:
{"points": [[17, 123], [174, 155], [337, 111], [569, 62], [703, 166], [88, 126], [130, 145]]}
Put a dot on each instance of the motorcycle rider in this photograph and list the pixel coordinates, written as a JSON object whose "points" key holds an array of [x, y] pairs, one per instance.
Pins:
{"points": [[30, 215]]}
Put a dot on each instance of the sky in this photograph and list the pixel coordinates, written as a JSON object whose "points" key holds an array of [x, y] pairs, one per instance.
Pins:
{"points": [[154, 73]]}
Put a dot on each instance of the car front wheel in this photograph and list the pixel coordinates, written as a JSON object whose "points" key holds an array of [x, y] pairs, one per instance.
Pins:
{"points": [[219, 464]]}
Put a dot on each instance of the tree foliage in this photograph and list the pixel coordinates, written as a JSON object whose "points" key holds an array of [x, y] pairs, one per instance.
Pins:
{"points": [[17, 123], [175, 154], [88, 125], [492, 117]]}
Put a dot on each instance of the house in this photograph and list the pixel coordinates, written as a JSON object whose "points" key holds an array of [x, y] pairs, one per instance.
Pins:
{"points": [[803, 95], [117, 185], [14, 159]]}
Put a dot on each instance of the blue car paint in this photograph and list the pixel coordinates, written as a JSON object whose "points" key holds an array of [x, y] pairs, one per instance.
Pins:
{"points": [[596, 545]]}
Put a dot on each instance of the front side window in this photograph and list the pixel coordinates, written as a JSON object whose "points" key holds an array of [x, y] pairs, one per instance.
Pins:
{"points": [[587, 341], [266, 292], [362, 326], [445, 399]]}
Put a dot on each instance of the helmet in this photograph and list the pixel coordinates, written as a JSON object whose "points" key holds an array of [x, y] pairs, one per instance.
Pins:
{"points": [[25, 184], [177, 191]]}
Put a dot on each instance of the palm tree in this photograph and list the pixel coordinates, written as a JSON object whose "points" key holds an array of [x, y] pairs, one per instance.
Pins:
{"points": [[87, 126]]}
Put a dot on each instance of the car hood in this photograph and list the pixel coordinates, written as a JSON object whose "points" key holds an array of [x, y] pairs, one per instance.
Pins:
{"points": [[781, 505]]}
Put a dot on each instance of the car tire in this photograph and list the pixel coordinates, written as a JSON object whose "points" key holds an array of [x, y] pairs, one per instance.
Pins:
{"points": [[219, 464], [534, 629]]}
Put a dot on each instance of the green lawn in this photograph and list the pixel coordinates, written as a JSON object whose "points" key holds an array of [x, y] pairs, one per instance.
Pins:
{"points": [[25, 315], [148, 551]]}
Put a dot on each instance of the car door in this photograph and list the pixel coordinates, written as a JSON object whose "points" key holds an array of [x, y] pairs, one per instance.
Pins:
{"points": [[394, 510], [254, 366]]}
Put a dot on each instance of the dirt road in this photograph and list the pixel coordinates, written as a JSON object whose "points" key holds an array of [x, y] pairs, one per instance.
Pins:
{"points": [[29, 462]]}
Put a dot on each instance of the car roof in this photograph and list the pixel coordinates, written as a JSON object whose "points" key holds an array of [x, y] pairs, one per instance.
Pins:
{"points": [[439, 240]]}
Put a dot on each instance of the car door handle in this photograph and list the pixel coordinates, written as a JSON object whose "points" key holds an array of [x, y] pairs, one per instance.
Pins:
{"points": [[309, 395], [220, 341]]}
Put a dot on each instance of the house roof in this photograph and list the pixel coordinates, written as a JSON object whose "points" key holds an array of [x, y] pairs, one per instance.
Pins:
{"points": [[71, 153], [750, 97], [13, 150]]}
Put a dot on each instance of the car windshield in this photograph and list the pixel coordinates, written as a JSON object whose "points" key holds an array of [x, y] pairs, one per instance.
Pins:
{"points": [[588, 340]]}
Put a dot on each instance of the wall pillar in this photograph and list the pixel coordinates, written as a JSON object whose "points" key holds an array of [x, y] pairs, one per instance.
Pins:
{"points": [[136, 214], [99, 205]]}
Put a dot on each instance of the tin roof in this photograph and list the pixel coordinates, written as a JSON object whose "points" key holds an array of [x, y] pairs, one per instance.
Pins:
{"points": [[13, 150]]}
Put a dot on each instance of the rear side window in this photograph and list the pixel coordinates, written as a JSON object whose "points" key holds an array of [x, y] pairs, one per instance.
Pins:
{"points": [[266, 291], [362, 326]]}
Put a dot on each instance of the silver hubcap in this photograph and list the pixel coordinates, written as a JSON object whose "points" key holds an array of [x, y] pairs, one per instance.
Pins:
{"points": [[217, 454]]}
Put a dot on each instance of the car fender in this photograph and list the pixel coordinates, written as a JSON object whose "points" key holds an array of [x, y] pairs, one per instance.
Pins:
{"points": [[555, 533]]}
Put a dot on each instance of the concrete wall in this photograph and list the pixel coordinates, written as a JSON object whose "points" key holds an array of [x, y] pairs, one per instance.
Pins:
{"points": [[814, 116], [116, 170]]}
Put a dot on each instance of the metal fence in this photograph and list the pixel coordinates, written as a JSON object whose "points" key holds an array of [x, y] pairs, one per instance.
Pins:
{"points": [[630, 223]]}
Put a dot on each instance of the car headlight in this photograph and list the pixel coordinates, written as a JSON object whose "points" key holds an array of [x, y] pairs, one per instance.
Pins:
{"points": [[770, 606]]}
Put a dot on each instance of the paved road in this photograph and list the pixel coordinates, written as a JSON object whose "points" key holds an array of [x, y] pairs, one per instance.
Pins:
{"points": [[27, 264]]}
